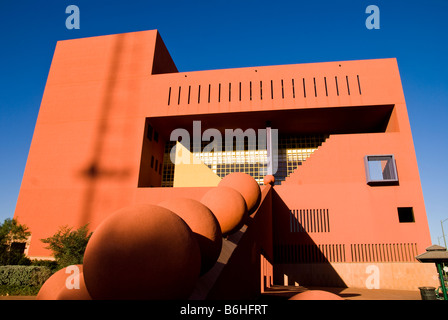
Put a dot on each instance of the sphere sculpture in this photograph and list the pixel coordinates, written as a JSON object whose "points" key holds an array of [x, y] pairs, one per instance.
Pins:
{"points": [[228, 206], [50, 289], [269, 179], [80, 293], [204, 225], [142, 252], [246, 186], [315, 295]]}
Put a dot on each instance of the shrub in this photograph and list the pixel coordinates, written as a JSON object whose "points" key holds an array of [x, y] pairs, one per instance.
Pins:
{"points": [[12, 237], [30, 276], [22, 280], [68, 245], [18, 291], [50, 264]]}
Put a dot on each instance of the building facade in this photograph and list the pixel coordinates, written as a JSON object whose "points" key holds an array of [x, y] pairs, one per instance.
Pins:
{"points": [[347, 207]]}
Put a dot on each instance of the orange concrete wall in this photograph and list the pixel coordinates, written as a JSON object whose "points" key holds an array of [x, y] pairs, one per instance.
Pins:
{"points": [[86, 150], [367, 275], [374, 77], [89, 155], [334, 179]]}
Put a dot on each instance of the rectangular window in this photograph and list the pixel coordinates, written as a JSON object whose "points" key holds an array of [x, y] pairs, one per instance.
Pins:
{"points": [[406, 214], [381, 170], [149, 132]]}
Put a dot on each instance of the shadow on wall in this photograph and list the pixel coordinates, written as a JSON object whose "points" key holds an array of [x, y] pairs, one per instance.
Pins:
{"points": [[298, 260], [94, 171], [112, 134]]}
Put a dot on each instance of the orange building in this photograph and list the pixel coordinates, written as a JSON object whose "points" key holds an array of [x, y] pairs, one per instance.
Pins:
{"points": [[346, 209]]}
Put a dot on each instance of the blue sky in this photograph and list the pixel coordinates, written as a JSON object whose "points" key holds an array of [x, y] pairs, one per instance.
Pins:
{"points": [[203, 35]]}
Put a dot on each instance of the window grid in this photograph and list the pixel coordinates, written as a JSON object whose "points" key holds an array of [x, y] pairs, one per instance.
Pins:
{"points": [[293, 150]]}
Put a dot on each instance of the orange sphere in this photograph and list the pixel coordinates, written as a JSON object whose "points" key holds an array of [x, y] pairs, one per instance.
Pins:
{"points": [[50, 289], [80, 293], [142, 252], [203, 224], [316, 295], [228, 206], [246, 185], [269, 179]]}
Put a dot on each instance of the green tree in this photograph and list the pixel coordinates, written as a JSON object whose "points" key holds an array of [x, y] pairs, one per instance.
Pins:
{"points": [[11, 234], [68, 245]]}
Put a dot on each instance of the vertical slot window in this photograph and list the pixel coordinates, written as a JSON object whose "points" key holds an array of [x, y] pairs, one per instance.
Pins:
{"points": [[169, 96], [250, 90], [337, 87], [293, 90], [239, 92], [304, 88], [283, 90], [326, 89], [230, 92], [359, 84], [149, 132], [209, 90], [189, 92], [348, 85]]}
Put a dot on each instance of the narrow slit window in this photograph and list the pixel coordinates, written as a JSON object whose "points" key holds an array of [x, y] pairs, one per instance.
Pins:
{"points": [[304, 88], [169, 96], [261, 90], [359, 84], [209, 90], [315, 89], [239, 92], [149, 132], [199, 94], [250, 90], [337, 87], [283, 91], [178, 98], [230, 92], [272, 89], [348, 85], [219, 93], [189, 91], [326, 89], [293, 90]]}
